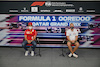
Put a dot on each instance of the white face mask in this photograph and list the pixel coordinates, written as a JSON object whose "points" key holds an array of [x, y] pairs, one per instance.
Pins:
{"points": [[30, 27]]}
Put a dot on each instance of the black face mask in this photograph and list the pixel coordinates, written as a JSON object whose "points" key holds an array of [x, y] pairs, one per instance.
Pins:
{"points": [[72, 27]]}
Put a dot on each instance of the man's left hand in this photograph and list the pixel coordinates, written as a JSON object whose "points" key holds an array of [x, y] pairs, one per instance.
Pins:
{"points": [[73, 41]]}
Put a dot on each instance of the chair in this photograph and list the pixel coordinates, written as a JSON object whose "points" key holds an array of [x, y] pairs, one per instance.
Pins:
{"points": [[65, 39], [30, 45]]}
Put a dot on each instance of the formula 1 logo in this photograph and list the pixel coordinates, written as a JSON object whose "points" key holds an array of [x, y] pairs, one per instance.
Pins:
{"points": [[38, 3]]}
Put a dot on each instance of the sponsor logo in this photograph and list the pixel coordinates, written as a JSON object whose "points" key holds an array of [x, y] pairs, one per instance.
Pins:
{"points": [[44, 10], [58, 4], [13, 10], [90, 10], [49, 18], [70, 10], [74, 33], [32, 37], [32, 30], [24, 10], [57, 11], [28, 32], [34, 9], [80, 9]]}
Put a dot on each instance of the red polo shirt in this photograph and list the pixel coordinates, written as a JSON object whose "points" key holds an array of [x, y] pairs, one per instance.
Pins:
{"points": [[30, 33]]}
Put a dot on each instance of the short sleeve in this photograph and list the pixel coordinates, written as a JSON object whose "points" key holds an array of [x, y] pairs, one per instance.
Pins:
{"points": [[35, 32], [25, 33], [76, 33], [67, 33]]}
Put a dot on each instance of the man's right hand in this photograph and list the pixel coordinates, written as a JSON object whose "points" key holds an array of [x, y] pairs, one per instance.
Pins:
{"points": [[29, 41], [72, 41]]}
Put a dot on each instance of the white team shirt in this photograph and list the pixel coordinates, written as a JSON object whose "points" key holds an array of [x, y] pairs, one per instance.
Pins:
{"points": [[72, 34]]}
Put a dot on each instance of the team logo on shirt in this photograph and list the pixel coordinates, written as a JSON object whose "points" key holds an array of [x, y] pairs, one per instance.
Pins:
{"points": [[28, 32], [32, 37], [74, 33], [69, 34], [32, 30]]}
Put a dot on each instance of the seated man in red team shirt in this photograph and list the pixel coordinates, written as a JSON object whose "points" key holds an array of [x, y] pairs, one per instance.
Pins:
{"points": [[30, 36]]}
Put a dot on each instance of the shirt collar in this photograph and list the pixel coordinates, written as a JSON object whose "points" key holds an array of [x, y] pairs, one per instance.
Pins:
{"points": [[30, 30]]}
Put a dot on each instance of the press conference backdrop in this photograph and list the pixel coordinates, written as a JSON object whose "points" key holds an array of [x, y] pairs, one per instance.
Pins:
{"points": [[50, 24]]}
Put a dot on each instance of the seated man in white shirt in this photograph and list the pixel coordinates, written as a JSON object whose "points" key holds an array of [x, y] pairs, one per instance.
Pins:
{"points": [[72, 36]]}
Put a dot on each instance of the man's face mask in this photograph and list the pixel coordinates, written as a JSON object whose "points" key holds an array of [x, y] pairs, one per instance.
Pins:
{"points": [[72, 27], [30, 27]]}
